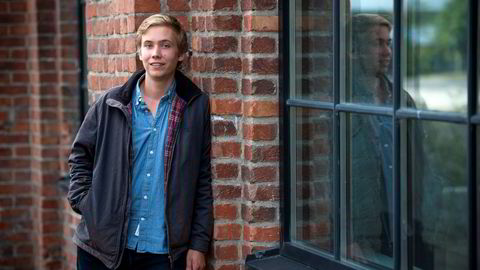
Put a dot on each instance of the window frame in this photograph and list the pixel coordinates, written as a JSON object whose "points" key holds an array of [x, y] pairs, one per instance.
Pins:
{"points": [[471, 120]]}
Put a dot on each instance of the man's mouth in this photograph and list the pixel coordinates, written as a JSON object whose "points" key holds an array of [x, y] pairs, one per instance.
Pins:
{"points": [[156, 64]]}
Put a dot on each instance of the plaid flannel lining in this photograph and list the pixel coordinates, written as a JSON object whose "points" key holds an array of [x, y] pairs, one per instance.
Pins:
{"points": [[178, 106]]}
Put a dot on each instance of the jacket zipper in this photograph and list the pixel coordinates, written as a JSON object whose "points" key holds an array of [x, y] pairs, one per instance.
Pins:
{"points": [[125, 215], [170, 159]]}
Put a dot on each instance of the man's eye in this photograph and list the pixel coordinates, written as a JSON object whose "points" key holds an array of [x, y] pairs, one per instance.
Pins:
{"points": [[166, 46], [147, 45]]}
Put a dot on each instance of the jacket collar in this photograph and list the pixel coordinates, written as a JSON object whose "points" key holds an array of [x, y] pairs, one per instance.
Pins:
{"points": [[185, 89]]}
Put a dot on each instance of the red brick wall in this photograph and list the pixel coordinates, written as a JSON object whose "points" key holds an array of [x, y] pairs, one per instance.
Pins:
{"points": [[313, 134], [235, 58], [38, 115]]}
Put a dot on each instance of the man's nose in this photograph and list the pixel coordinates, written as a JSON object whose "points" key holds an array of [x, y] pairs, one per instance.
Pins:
{"points": [[386, 49], [157, 52]]}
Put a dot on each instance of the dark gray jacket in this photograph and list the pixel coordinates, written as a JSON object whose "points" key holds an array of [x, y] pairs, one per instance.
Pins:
{"points": [[101, 173]]}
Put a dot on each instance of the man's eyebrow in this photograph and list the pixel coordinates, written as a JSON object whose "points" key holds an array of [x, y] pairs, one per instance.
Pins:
{"points": [[157, 41]]}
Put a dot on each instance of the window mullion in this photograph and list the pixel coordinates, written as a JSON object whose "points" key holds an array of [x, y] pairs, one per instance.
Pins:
{"points": [[397, 86], [474, 253], [336, 124]]}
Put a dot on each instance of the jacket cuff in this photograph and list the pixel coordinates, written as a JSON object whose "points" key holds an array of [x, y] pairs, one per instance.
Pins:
{"points": [[200, 245]]}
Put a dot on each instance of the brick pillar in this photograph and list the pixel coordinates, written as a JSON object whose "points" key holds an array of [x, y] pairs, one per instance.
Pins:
{"points": [[37, 117], [235, 56], [53, 118], [18, 218], [260, 205]]}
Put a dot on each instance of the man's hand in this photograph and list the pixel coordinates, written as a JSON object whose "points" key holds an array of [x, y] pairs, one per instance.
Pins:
{"points": [[195, 260]]}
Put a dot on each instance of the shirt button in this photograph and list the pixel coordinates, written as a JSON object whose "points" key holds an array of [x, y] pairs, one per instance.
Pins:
{"points": [[151, 152], [385, 145], [148, 175], [390, 166], [145, 197], [142, 219], [154, 129]]}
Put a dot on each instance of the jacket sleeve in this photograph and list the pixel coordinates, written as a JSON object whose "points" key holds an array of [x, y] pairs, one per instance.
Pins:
{"points": [[81, 160], [202, 225]]}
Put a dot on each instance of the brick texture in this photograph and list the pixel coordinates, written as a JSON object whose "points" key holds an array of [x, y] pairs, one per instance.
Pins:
{"points": [[38, 116], [235, 52]]}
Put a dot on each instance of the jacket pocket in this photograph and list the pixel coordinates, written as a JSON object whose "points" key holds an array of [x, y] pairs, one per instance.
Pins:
{"points": [[85, 228]]}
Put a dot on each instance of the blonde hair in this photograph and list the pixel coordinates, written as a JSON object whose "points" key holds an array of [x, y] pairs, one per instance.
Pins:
{"points": [[163, 20]]}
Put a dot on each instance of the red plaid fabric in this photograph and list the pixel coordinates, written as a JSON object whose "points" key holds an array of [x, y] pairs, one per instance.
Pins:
{"points": [[178, 106]]}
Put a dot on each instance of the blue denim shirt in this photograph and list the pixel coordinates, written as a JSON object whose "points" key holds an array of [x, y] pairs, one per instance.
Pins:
{"points": [[146, 229], [383, 128]]}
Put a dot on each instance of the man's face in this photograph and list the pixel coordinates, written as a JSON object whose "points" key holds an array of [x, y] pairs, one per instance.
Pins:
{"points": [[375, 53], [159, 52]]}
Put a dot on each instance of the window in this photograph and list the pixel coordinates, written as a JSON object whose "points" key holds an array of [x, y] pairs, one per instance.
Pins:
{"points": [[381, 134]]}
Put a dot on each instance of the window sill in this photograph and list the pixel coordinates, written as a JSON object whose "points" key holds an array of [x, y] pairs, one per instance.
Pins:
{"points": [[271, 259]]}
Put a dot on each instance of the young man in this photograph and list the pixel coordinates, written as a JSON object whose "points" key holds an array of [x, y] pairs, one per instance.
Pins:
{"points": [[140, 164]]}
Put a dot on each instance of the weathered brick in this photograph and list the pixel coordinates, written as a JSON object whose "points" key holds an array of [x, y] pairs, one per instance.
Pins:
{"points": [[226, 149], [224, 85], [261, 23], [198, 23], [254, 44], [259, 174], [261, 153], [253, 213], [262, 66], [261, 234], [260, 4], [226, 252], [261, 192], [226, 192], [233, 64], [225, 171], [91, 10], [259, 132], [223, 211], [227, 231], [178, 5], [260, 108], [226, 106], [146, 6], [224, 23]]}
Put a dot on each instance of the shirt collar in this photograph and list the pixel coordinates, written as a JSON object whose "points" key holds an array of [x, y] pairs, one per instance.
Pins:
{"points": [[137, 96]]}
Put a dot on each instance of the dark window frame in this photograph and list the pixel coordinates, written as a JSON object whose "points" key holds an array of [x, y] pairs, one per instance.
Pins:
{"points": [[311, 258]]}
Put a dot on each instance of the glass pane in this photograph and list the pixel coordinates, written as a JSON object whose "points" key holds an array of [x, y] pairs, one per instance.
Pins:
{"points": [[435, 63], [369, 177], [312, 174], [368, 53], [313, 53], [437, 186]]}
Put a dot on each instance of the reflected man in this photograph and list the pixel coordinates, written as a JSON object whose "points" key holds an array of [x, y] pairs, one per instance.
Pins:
{"points": [[371, 148], [371, 219]]}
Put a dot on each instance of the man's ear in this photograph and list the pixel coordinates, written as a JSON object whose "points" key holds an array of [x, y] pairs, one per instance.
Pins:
{"points": [[139, 53]]}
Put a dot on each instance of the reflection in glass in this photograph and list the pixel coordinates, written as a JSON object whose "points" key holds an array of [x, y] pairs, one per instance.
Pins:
{"points": [[369, 189], [312, 174], [437, 185], [435, 63], [368, 67], [313, 55]]}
